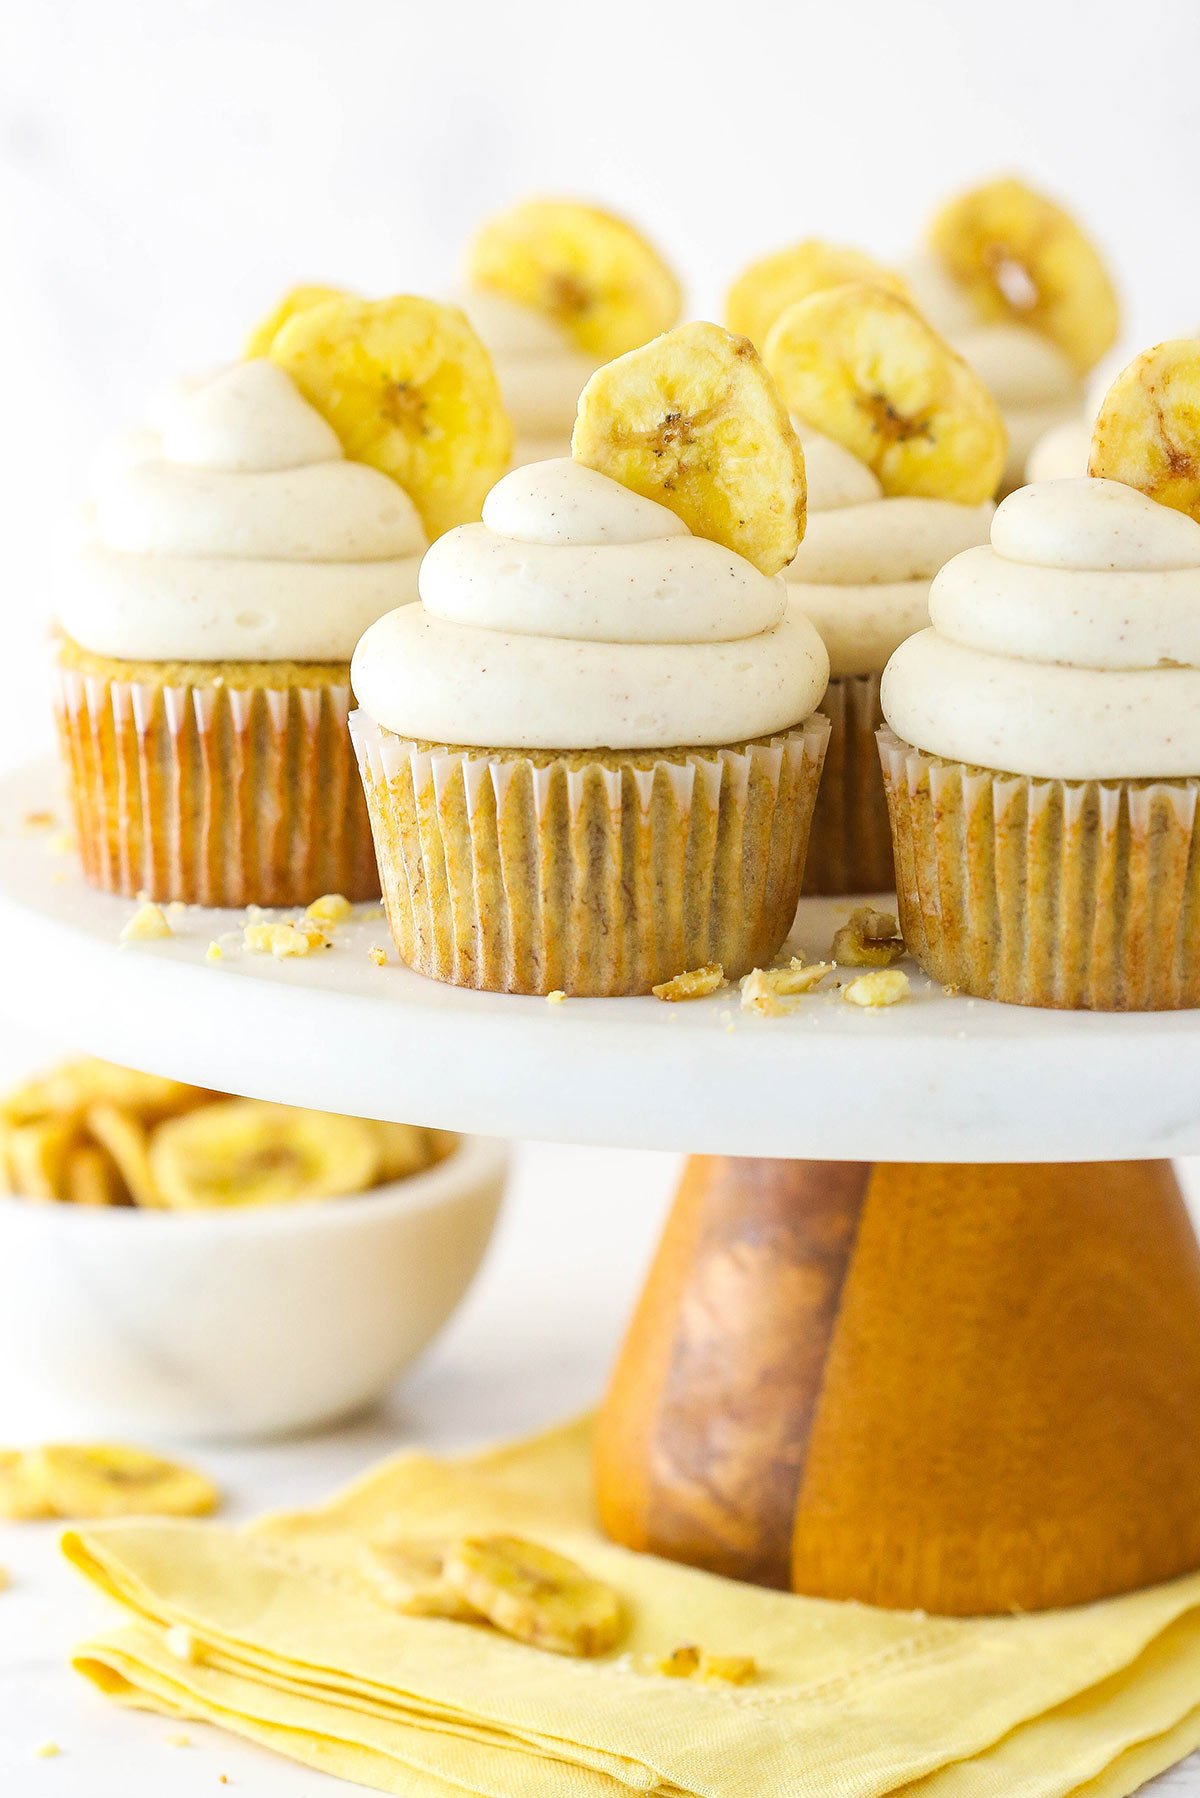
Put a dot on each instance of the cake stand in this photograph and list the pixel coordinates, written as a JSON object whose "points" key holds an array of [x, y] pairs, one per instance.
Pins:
{"points": [[950, 1358]]}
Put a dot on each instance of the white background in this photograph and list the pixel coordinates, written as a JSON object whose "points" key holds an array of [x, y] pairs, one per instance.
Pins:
{"points": [[167, 168]]}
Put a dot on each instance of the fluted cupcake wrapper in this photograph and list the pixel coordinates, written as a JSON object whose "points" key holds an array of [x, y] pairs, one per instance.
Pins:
{"points": [[850, 848], [212, 794], [537, 874], [1079, 894]]}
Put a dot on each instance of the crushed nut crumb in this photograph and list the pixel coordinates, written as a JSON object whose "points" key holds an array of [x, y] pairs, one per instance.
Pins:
{"points": [[47, 1751], [557, 997], [179, 1741], [39, 820], [690, 1662], [869, 939], [214, 952], [291, 937], [330, 908], [886, 986], [765, 989], [696, 983], [148, 921], [378, 956], [62, 843]]}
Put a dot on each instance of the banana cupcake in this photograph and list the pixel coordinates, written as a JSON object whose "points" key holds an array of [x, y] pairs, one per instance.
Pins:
{"points": [[236, 553], [590, 754], [1042, 748], [903, 447], [1020, 290], [555, 288]]}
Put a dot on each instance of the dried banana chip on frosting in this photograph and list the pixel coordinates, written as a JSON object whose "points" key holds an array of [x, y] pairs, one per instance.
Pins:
{"points": [[590, 272], [1021, 256], [863, 367], [694, 421], [773, 283], [409, 389], [1147, 432], [296, 300]]}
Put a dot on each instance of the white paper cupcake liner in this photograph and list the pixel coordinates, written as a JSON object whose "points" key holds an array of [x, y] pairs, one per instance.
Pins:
{"points": [[212, 794], [1078, 894], [542, 873], [850, 848]]}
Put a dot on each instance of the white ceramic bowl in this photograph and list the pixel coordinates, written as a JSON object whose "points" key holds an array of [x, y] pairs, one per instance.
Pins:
{"points": [[238, 1323]]}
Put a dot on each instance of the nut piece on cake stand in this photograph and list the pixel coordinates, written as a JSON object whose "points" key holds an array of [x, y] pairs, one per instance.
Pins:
{"points": [[959, 1388]]}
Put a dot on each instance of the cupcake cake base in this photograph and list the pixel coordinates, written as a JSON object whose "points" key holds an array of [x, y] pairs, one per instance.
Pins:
{"points": [[213, 783], [850, 847], [1075, 894], [593, 873]]}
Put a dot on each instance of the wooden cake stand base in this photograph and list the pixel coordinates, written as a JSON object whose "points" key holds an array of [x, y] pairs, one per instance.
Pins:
{"points": [[961, 1389]]}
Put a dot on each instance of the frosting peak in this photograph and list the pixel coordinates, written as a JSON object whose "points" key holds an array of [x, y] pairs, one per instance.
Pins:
{"points": [[238, 531], [1069, 647], [579, 615]]}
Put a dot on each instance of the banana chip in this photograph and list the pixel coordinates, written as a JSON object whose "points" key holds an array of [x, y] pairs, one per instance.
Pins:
{"points": [[20, 1499], [105, 1480], [590, 272], [298, 299], [1147, 432], [411, 1577], [70, 1089], [409, 389], [765, 289], [863, 367], [1020, 256], [246, 1152], [534, 1595], [404, 1149], [125, 1138], [92, 1178], [693, 420]]}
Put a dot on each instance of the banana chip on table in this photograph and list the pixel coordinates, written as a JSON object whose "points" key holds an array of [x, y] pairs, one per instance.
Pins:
{"points": [[694, 421], [1020, 256], [1147, 432], [108, 1480], [773, 283], [535, 1595], [589, 271], [247, 1152], [862, 366], [410, 390], [411, 1577], [20, 1499]]}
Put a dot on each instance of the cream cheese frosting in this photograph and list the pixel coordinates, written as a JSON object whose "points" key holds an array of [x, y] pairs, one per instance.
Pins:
{"points": [[863, 571], [1033, 382], [541, 373], [1068, 647], [579, 615], [238, 531], [1062, 452]]}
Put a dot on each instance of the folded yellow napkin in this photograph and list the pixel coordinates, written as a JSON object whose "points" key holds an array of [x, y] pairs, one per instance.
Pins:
{"points": [[273, 1632]]}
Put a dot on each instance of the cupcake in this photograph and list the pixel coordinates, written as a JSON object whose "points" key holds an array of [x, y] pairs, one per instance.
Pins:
{"points": [[1042, 750], [903, 446], [1019, 289], [590, 754], [235, 554], [555, 288]]}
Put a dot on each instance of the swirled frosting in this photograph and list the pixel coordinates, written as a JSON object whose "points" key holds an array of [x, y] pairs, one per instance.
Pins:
{"points": [[579, 615], [238, 531], [1033, 382], [540, 372], [1068, 647], [862, 573], [1061, 453]]}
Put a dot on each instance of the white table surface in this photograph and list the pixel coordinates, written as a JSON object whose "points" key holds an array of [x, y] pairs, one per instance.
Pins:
{"points": [[531, 1344]]}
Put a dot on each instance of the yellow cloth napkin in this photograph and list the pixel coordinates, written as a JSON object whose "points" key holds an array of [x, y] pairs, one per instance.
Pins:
{"points": [[273, 1632]]}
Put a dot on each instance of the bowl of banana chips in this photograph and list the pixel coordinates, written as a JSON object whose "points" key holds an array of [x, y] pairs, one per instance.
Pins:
{"points": [[178, 1261]]}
